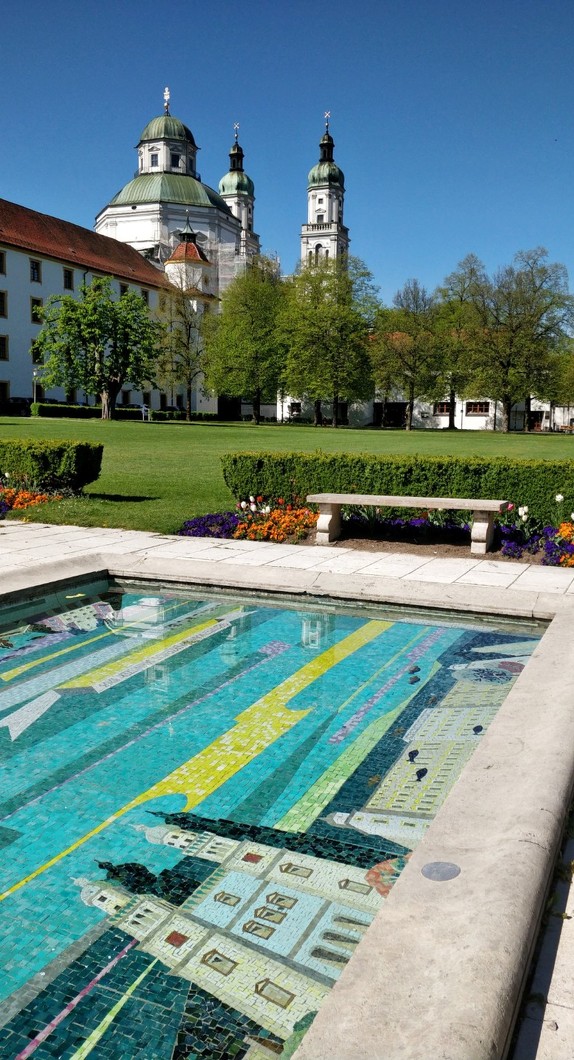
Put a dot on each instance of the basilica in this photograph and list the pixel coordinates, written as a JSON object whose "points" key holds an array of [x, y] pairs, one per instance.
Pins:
{"points": [[165, 227]]}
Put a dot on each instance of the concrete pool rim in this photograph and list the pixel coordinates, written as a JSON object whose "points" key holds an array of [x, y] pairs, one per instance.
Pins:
{"points": [[441, 970]]}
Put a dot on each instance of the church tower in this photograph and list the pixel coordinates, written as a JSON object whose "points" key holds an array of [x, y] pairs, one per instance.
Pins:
{"points": [[238, 191], [324, 235]]}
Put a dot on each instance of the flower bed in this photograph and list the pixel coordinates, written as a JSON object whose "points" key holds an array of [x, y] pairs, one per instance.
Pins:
{"points": [[254, 521], [13, 499], [518, 537]]}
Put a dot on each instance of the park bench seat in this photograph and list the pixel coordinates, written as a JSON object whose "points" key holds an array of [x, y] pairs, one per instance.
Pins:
{"points": [[483, 513]]}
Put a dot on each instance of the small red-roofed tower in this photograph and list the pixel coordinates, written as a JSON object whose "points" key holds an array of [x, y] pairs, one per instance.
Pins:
{"points": [[189, 269]]}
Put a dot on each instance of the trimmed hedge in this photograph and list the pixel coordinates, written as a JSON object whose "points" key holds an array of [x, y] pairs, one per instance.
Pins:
{"points": [[80, 412], [51, 465], [292, 476]]}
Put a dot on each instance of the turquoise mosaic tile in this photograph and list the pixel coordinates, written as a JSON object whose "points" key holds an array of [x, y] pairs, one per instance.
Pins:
{"points": [[204, 803]]}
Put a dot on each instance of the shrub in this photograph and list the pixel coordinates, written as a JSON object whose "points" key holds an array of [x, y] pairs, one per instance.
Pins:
{"points": [[51, 465], [534, 483], [54, 411]]}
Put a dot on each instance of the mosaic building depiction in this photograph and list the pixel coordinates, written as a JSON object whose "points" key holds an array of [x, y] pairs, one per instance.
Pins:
{"points": [[204, 804]]}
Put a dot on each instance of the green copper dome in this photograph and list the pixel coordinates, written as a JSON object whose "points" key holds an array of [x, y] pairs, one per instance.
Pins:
{"points": [[167, 128], [168, 187], [326, 173], [236, 181]]}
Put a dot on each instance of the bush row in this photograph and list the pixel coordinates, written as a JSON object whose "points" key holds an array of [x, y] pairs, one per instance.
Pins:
{"points": [[93, 412], [534, 483], [50, 465]]}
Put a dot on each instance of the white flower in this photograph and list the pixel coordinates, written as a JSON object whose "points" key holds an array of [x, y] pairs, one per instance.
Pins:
{"points": [[523, 512], [244, 504], [572, 516], [252, 499], [267, 509], [253, 507], [6, 474], [524, 518], [559, 498]]}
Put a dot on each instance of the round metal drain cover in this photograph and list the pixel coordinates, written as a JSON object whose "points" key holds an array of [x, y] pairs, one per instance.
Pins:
{"points": [[440, 871]]}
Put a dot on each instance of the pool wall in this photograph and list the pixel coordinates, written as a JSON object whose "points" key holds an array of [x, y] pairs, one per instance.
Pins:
{"points": [[441, 969]]}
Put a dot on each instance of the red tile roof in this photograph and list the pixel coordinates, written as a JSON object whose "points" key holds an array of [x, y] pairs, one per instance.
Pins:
{"points": [[188, 252], [52, 238]]}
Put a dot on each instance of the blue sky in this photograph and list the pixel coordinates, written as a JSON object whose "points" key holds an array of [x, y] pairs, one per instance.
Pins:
{"points": [[452, 121]]}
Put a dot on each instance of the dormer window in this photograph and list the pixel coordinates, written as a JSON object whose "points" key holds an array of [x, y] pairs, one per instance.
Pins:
{"points": [[153, 159]]}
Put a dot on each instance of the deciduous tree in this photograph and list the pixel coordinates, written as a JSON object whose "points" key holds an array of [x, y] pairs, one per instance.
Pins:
{"points": [[97, 342], [519, 319], [404, 348], [242, 355], [325, 324]]}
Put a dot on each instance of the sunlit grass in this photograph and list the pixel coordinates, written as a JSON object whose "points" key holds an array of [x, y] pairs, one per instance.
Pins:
{"points": [[156, 475]]}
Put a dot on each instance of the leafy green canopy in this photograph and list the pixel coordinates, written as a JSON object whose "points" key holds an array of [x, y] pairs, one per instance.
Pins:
{"points": [[324, 325], [242, 354], [97, 342]]}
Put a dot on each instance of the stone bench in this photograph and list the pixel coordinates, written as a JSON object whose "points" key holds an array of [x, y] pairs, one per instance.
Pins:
{"points": [[483, 513]]}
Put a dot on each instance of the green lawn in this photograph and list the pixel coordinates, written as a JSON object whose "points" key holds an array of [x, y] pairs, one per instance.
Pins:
{"points": [[156, 475]]}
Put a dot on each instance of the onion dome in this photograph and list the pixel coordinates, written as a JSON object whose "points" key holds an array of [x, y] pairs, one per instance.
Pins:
{"points": [[326, 172], [236, 180], [166, 127]]}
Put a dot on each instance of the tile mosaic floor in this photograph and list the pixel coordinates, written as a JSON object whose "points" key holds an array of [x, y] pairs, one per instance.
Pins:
{"points": [[204, 803]]}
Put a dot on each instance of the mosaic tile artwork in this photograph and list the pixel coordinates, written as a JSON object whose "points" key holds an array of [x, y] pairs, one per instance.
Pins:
{"points": [[204, 804]]}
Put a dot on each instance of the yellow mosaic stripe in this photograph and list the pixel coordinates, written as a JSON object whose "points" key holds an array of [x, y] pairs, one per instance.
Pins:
{"points": [[301, 816], [9, 675], [134, 657], [309, 806], [92, 1040], [256, 728]]}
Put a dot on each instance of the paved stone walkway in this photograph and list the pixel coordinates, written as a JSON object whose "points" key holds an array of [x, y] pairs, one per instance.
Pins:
{"points": [[547, 1030]]}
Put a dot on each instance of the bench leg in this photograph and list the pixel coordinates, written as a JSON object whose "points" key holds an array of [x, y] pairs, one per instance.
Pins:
{"points": [[482, 532], [328, 523]]}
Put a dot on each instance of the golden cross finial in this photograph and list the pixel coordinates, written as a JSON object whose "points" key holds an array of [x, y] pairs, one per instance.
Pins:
{"points": [[166, 99]]}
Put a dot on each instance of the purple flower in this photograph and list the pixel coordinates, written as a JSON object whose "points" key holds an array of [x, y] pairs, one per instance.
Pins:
{"points": [[218, 524]]}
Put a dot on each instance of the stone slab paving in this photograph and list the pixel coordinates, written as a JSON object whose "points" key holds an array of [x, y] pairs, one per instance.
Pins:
{"points": [[34, 553]]}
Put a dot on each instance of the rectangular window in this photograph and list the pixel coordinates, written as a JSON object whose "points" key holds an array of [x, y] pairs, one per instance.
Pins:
{"points": [[320, 218], [219, 962], [262, 931], [68, 279], [3, 303], [2, 262], [441, 408], [175, 160], [477, 408], [35, 271], [273, 992], [145, 295], [153, 159], [3, 347], [35, 305], [123, 289]]}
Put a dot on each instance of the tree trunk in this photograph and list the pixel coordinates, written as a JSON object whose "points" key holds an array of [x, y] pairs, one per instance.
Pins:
{"points": [[317, 414], [108, 398], [527, 413], [335, 417], [506, 410], [410, 409], [451, 410], [188, 403], [256, 403]]}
